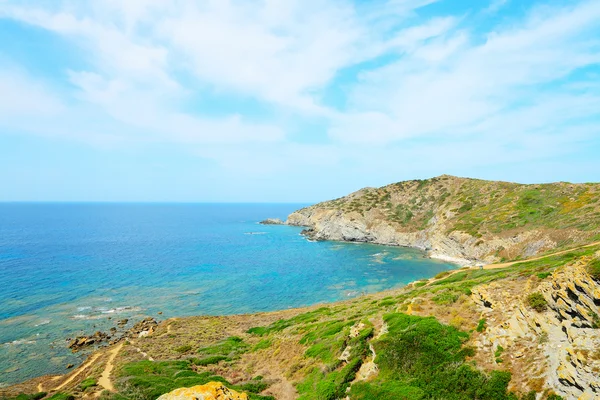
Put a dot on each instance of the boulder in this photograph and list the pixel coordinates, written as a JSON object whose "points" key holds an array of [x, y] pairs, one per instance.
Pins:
{"points": [[209, 391]]}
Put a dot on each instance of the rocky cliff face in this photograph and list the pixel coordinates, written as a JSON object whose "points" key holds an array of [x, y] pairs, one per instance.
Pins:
{"points": [[462, 220], [561, 345]]}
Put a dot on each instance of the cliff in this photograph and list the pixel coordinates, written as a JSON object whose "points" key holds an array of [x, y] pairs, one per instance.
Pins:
{"points": [[464, 220]]}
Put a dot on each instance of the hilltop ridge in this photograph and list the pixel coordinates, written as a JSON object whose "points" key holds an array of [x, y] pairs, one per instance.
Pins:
{"points": [[466, 220]]}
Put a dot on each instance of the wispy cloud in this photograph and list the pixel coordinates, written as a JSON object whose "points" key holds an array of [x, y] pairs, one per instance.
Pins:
{"points": [[408, 81]]}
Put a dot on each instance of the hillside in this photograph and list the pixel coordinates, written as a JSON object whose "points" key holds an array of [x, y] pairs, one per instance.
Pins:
{"points": [[461, 219], [527, 331]]}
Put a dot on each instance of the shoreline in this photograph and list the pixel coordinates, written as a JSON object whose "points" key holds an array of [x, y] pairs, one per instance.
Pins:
{"points": [[303, 308]]}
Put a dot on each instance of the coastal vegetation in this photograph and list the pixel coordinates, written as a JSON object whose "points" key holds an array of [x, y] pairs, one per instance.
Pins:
{"points": [[471, 333]]}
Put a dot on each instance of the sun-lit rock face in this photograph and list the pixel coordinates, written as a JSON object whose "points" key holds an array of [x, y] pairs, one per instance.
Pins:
{"points": [[209, 391], [566, 334]]}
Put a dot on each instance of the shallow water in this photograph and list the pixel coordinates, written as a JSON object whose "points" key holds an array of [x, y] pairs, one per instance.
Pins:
{"points": [[68, 269]]}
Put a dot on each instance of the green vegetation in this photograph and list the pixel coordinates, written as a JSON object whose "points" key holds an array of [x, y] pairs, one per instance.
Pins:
{"points": [[23, 396], [263, 344], [88, 383], [537, 301], [498, 354], [230, 348], [208, 360], [481, 325], [147, 380], [422, 359], [183, 349], [319, 385], [62, 396], [593, 268], [544, 275], [282, 324]]}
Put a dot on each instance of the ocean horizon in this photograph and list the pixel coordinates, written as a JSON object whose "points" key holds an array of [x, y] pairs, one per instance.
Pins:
{"points": [[74, 268]]}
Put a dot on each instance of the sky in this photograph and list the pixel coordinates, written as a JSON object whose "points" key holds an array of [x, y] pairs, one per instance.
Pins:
{"points": [[292, 100]]}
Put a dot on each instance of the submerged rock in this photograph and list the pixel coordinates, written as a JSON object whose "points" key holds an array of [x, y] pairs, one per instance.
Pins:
{"points": [[209, 391]]}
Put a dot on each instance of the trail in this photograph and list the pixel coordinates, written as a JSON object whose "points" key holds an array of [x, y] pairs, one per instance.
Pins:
{"points": [[511, 263], [508, 264], [89, 362], [104, 379]]}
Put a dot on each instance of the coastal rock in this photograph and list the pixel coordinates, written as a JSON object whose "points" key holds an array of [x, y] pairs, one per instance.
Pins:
{"points": [[84, 341], [566, 334], [143, 328], [272, 221], [209, 391]]}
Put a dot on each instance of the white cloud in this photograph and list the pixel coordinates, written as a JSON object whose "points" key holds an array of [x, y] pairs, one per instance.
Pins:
{"points": [[454, 85], [449, 86]]}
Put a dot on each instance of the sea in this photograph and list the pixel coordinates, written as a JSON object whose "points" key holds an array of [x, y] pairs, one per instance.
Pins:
{"points": [[69, 269]]}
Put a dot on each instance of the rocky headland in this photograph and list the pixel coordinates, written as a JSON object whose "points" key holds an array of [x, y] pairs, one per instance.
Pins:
{"points": [[462, 220]]}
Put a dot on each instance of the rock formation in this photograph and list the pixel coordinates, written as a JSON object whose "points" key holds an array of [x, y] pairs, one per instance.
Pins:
{"points": [[209, 391], [272, 221], [563, 342]]}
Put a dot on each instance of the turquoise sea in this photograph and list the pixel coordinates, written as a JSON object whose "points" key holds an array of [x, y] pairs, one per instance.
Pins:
{"points": [[69, 269]]}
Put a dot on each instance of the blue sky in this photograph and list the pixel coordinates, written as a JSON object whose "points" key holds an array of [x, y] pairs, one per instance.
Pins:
{"points": [[292, 101]]}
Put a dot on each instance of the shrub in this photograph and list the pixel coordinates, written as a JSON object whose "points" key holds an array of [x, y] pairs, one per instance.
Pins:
{"points": [[23, 396], [208, 360], [544, 275], [445, 298], [229, 347], [442, 274], [593, 268], [62, 396], [263, 344], [481, 325], [183, 349], [87, 383], [426, 359], [537, 301]]}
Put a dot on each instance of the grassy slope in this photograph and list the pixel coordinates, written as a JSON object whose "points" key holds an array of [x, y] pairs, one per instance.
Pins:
{"points": [[482, 208], [420, 358]]}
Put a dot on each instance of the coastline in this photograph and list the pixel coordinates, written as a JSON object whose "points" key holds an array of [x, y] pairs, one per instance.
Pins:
{"points": [[348, 297]]}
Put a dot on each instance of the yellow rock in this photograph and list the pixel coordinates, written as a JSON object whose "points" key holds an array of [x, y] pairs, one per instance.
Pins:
{"points": [[210, 391]]}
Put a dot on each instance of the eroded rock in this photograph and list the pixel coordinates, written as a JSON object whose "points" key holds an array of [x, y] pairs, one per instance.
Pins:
{"points": [[209, 391]]}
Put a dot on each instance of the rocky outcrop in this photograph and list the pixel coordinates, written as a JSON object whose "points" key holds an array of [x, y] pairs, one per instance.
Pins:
{"points": [[142, 328], [567, 334], [272, 221], [455, 246], [209, 391], [81, 342]]}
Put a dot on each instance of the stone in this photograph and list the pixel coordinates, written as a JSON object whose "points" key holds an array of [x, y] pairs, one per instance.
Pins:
{"points": [[209, 391]]}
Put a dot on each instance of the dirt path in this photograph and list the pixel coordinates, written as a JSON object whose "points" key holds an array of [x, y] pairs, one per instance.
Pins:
{"points": [[508, 264], [89, 362], [104, 379]]}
